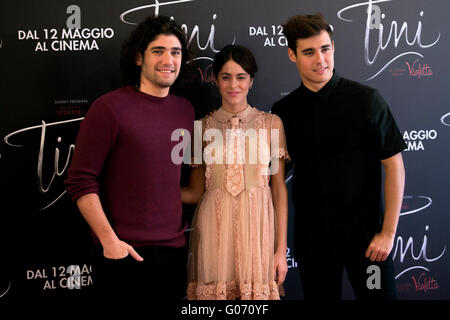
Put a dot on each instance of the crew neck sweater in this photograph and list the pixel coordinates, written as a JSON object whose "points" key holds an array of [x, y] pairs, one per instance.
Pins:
{"points": [[123, 153]]}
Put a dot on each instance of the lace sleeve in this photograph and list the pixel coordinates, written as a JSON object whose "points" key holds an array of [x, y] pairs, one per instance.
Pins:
{"points": [[278, 139]]}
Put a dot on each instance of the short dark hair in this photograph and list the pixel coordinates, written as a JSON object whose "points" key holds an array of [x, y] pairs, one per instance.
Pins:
{"points": [[137, 43], [305, 26], [239, 54]]}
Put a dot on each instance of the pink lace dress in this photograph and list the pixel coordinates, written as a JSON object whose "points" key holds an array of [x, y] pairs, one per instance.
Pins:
{"points": [[232, 241]]}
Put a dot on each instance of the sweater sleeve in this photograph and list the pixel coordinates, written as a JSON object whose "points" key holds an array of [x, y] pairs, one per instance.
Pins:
{"points": [[96, 138]]}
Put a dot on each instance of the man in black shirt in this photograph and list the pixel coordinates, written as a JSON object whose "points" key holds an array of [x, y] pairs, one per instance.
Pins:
{"points": [[340, 134]]}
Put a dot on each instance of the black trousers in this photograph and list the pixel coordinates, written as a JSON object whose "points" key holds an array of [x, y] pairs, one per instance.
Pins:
{"points": [[321, 275], [161, 276]]}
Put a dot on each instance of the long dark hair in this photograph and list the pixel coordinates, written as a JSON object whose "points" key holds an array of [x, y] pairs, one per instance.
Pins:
{"points": [[239, 54]]}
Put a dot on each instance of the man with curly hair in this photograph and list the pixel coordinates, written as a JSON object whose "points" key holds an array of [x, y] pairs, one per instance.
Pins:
{"points": [[122, 176]]}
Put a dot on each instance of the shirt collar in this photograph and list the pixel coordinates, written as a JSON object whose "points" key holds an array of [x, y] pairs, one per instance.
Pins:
{"points": [[245, 115], [326, 90]]}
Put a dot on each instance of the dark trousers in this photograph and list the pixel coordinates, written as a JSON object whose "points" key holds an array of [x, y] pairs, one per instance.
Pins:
{"points": [[161, 276], [322, 275]]}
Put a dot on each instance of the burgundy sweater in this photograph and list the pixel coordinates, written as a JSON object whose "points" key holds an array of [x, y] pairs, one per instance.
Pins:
{"points": [[123, 154]]}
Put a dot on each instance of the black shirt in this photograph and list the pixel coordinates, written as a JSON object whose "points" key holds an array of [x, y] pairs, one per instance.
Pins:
{"points": [[336, 138]]}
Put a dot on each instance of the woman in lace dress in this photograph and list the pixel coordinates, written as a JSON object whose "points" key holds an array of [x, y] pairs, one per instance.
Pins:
{"points": [[239, 232]]}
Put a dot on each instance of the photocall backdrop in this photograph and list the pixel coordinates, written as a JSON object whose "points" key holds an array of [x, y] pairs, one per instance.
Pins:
{"points": [[58, 56]]}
